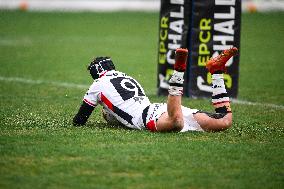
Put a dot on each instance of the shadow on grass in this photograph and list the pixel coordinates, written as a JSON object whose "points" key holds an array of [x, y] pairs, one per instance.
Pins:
{"points": [[105, 125]]}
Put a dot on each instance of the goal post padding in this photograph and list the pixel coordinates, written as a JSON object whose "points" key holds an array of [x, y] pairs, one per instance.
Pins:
{"points": [[205, 27]]}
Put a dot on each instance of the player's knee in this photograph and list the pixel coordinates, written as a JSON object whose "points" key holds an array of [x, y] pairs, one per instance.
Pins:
{"points": [[227, 122]]}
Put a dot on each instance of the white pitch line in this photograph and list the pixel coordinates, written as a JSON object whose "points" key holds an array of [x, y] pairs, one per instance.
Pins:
{"points": [[36, 82], [82, 86], [276, 106]]}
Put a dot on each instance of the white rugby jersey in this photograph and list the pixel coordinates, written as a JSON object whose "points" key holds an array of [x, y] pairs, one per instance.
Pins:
{"points": [[122, 95]]}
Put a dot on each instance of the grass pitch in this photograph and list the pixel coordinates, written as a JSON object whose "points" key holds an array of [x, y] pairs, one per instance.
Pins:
{"points": [[41, 52]]}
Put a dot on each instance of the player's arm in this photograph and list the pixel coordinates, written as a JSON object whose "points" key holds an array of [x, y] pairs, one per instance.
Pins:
{"points": [[83, 114], [90, 101]]}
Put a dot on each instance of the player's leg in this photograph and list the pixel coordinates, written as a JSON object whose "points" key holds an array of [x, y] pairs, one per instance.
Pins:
{"points": [[172, 120], [222, 119]]}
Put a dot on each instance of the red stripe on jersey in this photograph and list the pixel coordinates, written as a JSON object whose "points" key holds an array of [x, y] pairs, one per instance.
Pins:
{"points": [[103, 74], [106, 101], [116, 110], [151, 125], [88, 102], [220, 102]]}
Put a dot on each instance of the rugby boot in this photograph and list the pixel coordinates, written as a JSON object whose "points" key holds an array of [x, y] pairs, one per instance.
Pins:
{"points": [[181, 59], [218, 63]]}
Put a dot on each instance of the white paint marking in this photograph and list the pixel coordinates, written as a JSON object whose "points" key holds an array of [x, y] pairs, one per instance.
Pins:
{"points": [[37, 82], [82, 86], [276, 106], [15, 42]]}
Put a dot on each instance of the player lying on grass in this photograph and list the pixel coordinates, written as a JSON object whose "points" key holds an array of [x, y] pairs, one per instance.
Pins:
{"points": [[123, 99]]}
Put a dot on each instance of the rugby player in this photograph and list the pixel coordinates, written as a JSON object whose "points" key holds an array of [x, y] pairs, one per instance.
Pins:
{"points": [[124, 100]]}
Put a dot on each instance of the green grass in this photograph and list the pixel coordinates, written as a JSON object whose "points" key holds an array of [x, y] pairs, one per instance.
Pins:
{"points": [[41, 149]]}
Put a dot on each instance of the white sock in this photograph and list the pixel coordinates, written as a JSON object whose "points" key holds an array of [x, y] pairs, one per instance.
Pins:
{"points": [[176, 84], [219, 90]]}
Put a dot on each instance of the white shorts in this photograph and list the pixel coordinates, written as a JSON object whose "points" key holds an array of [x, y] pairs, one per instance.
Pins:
{"points": [[157, 109]]}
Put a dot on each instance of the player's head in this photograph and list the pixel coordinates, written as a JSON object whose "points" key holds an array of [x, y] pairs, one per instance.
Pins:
{"points": [[100, 66]]}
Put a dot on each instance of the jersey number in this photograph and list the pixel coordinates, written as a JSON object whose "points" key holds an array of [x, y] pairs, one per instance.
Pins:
{"points": [[126, 87]]}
